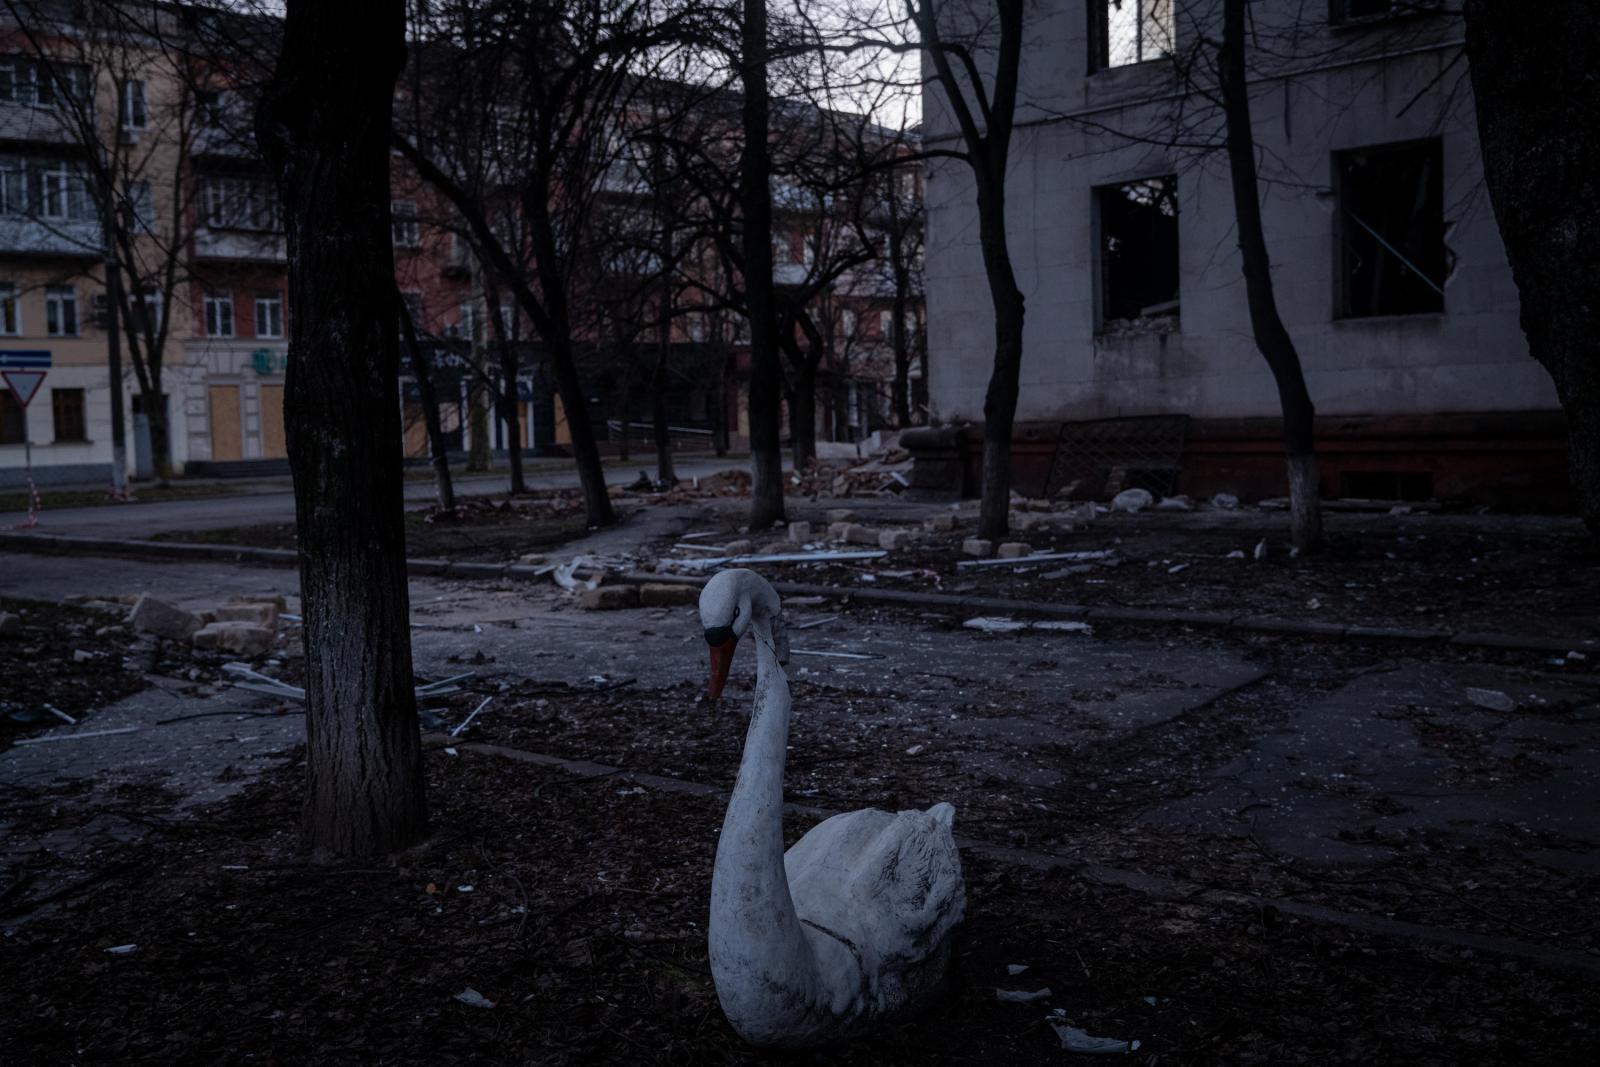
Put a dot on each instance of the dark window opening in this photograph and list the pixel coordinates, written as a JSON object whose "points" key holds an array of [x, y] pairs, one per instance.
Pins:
{"points": [[1139, 252], [1370, 10], [1391, 220], [67, 407], [1124, 32], [1387, 485], [11, 424]]}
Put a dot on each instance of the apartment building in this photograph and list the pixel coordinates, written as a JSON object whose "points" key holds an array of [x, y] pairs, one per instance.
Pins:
{"points": [[1388, 266]]}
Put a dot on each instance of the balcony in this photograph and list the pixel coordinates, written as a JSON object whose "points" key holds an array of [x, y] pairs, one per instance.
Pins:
{"points": [[230, 141], [20, 124], [243, 246], [20, 235]]}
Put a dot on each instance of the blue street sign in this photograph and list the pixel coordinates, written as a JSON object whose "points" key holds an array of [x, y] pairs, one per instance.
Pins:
{"points": [[24, 359]]}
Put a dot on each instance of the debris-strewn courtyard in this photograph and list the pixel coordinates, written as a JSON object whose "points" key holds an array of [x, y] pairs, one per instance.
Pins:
{"points": [[1228, 845]]}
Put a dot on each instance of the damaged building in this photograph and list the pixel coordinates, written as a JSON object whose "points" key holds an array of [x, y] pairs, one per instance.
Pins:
{"points": [[1388, 266]]}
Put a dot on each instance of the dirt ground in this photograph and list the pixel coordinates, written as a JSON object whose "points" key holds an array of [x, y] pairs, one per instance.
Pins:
{"points": [[577, 908], [73, 658]]}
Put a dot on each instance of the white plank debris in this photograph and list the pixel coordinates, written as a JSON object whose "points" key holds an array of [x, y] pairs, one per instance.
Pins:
{"points": [[831, 655], [256, 682], [1038, 557], [1000, 624], [1076, 1040], [52, 738], [468, 720], [778, 557]]}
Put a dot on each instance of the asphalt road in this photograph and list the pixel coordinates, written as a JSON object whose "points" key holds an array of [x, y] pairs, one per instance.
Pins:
{"points": [[274, 502]]}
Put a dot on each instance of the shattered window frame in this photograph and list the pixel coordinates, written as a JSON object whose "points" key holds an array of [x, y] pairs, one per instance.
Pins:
{"points": [[1117, 307], [1124, 33], [1411, 254]]}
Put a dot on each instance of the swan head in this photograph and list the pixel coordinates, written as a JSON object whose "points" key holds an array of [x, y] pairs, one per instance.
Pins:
{"points": [[725, 614]]}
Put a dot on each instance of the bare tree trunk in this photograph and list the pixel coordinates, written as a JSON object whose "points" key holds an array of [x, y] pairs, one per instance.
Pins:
{"points": [[1272, 338], [666, 476], [511, 415], [625, 409], [1000, 401], [718, 415], [900, 342], [755, 196], [324, 127], [477, 417], [1537, 95], [420, 370]]}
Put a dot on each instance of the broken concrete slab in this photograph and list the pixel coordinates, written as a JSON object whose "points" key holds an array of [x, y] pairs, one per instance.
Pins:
{"points": [[166, 620], [264, 614], [942, 522], [1132, 500], [837, 530], [1013, 550], [857, 534], [977, 546], [799, 532], [841, 515], [609, 598], [664, 595], [243, 638]]}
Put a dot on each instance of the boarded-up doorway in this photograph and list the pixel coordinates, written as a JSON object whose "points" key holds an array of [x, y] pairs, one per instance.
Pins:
{"points": [[225, 435], [272, 441]]}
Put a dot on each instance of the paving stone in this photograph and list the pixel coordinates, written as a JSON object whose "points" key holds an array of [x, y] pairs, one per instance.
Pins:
{"points": [[977, 546], [609, 598], [244, 638], [163, 619], [665, 595], [1014, 550]]}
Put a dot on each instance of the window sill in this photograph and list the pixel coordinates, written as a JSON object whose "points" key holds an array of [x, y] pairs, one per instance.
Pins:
{"points": [[19, 446], [1381, 320]]}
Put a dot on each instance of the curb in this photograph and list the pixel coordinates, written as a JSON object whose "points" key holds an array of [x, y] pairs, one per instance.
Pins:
{"points": [[1154, 886], [1247, 623]]}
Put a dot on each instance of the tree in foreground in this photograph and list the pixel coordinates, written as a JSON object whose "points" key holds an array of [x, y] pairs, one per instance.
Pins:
{"points": [[1538, 98], [1271, 336], [324, 127]]}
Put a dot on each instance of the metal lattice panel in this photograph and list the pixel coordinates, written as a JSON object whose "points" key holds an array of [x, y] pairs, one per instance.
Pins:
{"points": [[1100, 458]]}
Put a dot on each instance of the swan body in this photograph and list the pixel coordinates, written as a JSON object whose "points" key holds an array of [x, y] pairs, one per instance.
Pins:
{"points": [[853, 924]]}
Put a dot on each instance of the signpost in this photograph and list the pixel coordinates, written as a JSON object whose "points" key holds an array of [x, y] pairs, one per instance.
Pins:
{"points": [[24, 371]]}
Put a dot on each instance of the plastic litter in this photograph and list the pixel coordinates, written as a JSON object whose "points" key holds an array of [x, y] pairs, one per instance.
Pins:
{"points": [[1076, 1040], [1018, 996], [474, 999]]}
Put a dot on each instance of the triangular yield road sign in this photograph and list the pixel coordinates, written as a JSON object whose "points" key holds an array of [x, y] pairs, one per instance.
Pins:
{"points": [[25, 383]]}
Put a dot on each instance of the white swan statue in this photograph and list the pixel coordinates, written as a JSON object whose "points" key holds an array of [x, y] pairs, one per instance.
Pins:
{"points": [[853, 925]]}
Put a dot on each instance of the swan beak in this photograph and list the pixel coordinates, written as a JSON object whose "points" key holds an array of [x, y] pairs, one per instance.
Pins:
{"points": [[721, 660]]}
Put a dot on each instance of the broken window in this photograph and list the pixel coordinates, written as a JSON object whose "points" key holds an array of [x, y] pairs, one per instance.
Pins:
{"points": [[1393, 259], [1139, 252], [1130, 31], [1367, 10]]}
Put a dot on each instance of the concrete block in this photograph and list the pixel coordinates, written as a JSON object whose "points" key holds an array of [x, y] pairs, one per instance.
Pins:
{"points": [[799, 532], [837, 530], [265, 614], [609, 598], [243, 638], [664, 595], [1014, 550], [163, 619], [977, 546], [857, 534], [894, 540], [739, 548], [942, 523]]}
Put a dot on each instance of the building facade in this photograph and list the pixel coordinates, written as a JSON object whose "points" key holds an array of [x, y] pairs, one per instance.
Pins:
{"points": [[1388, 267]]}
